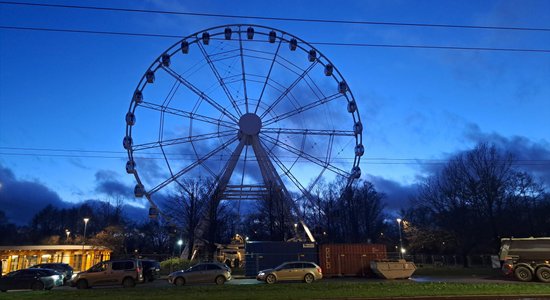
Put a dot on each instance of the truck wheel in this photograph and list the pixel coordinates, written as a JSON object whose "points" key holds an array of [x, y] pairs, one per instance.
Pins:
{"points": [[523, 274], [543, 274]]}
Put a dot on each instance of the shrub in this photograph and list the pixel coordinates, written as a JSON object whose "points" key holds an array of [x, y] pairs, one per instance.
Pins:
{"points": [[174, 264]]}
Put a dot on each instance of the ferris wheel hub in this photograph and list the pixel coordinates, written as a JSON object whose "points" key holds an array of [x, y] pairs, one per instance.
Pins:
{"points": [[250, 124]]}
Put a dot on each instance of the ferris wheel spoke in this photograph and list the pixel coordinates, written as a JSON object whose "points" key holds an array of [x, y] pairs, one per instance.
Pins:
{"points": [[243, 72], [188, 115], [190, 167], [201, 94], [330, 133], [288, 89], [307, 156], [303, 108], [286, 171], [179, 141], [220, 79], [268, 75]]}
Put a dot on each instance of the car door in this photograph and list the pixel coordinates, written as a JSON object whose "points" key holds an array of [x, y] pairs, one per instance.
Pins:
{"points": [[197, 274], [24, 279], [212, 271], [286, 272], [8, 282], [98, 274]]}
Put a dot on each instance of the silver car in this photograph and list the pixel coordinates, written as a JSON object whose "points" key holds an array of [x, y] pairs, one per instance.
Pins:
{"points": [[201, 273], [293, 270]]}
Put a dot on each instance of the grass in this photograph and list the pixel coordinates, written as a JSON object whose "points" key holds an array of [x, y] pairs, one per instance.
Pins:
{"points": [[320, 290], [458, 271]]}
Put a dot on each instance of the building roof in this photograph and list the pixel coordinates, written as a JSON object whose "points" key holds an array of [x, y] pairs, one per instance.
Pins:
{"points": [[53, 247]]}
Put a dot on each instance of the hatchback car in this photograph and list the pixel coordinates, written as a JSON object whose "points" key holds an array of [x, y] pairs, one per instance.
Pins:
{"points": [[201, 273], [151, 269], [125, 272], [294, 270], [64, 269], [30, 279]]}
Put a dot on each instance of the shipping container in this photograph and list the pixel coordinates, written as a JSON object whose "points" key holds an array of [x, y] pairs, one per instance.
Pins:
{"points": [[349, 259], [266, 255]]}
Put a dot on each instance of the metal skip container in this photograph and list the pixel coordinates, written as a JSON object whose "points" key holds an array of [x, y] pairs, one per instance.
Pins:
{"points": [[349, 259], [393, 269]]}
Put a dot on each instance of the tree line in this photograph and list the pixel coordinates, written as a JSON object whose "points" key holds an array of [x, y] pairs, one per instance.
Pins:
{"points": [[464, 207]]}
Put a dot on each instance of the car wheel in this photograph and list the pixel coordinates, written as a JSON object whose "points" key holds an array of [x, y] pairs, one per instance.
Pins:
{"points": [[270, 279], [128, 282], [37, 286], [220, 280], [180, 281], [523, 274], [309, 278], [543, 274], [82, 284]]}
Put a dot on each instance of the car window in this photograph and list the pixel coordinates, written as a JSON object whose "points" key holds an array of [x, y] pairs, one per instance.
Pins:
{"points": [[98, 268], [213, 267], [123, 265], [309, 266]]}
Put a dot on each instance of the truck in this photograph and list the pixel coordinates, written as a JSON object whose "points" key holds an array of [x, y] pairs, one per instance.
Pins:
{"points": [[526, 258]]}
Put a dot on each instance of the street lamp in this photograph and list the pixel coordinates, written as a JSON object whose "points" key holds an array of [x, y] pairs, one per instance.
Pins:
{"points": [[400, 238], [85, 225], [68, 233], [180, 242]]}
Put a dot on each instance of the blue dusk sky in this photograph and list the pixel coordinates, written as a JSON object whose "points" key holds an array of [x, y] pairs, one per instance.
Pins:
{"points": [[64, 95]]}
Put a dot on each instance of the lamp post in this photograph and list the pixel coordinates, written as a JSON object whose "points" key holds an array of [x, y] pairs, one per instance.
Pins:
{"points": [[85, 225], [400, 238], [68, 233], [180, 243], [84, 242]]}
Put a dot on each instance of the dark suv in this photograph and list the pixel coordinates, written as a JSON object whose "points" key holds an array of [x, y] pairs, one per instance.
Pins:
{"points": [[64, 269], [125, 272], [151, 269]]}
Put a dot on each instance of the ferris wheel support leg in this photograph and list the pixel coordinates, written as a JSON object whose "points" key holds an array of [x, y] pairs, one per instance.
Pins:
{"points": [[270, 174]]}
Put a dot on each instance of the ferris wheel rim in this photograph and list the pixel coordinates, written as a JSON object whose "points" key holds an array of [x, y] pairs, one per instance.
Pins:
{"points": [[283, 37]]}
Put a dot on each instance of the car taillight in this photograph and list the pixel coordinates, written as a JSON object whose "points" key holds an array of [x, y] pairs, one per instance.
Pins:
{"points": [[319, 270]]}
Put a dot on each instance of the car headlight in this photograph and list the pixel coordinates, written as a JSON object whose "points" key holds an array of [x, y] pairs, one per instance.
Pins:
{"points": [[261, 274]]}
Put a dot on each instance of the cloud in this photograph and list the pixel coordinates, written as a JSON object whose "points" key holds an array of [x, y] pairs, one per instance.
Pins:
{"points": [[397, 195], [531, 156], [107, 183], [21, 199]]}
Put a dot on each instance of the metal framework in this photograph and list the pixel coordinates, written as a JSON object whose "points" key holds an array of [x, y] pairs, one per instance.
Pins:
{"points": [[255, 108]]}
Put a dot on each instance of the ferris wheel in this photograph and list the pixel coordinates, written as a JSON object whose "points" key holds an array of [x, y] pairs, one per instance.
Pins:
{"points": [[253, 108]]}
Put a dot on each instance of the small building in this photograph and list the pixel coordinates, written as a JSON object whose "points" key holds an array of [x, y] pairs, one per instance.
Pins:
{"points": [[80, 257]]}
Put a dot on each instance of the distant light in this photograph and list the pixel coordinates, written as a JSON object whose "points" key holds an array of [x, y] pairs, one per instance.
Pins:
{"points": [[86, 220], [180, 242], [398, 220]]}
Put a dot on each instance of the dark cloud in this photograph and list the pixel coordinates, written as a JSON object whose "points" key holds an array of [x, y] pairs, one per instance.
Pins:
{"points": [[532, 157], [108, 183], [21, 199], [397, 195]]}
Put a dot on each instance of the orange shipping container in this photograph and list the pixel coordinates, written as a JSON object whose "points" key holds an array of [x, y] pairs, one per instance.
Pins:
{"points": [[349, 259]]}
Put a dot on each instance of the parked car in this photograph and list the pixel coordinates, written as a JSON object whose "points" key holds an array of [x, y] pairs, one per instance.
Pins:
{"points": [[151, 269], [64, 269], [217, 273], [294, 270], [125, 272], [31, 279]]}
